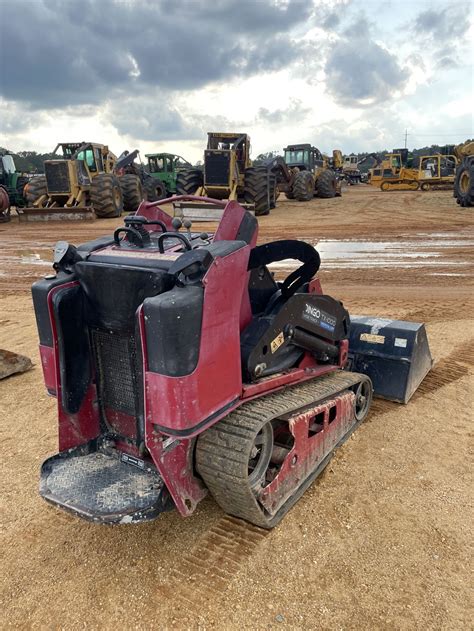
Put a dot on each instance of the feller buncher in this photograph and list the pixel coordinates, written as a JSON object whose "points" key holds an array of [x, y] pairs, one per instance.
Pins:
{"points": [[464, 179], [304, 173], [78, 184], [229, 174]]}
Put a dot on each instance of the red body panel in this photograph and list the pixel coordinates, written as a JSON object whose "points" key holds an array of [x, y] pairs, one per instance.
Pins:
{"points": [[74, 429], [218, 363], [48, 364], [307, 449]]}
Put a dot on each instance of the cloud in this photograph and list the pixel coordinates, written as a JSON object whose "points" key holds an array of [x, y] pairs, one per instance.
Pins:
{"points": [[443, 32], [359, 71], [72, 53], [444, 25], [296, 112]]}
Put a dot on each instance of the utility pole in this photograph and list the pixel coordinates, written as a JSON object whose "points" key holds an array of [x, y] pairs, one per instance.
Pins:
{"points": [[406, 136]]}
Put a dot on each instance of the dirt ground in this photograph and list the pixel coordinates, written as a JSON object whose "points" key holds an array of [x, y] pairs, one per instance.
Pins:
{"points": [[382, 540]]}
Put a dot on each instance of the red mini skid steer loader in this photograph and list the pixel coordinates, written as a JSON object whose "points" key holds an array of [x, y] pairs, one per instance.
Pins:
{"points": [[180, 367]]}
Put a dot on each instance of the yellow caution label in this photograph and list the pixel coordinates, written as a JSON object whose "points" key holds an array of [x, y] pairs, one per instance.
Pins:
{"points": [[277, 342], [374, 339]]}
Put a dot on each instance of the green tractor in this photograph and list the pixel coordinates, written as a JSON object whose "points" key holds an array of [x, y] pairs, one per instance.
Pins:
{"points": [[12, 184], [165, 167]]}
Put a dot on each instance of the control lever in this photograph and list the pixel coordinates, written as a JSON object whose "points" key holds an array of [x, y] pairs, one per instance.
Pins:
{"points": [[187, 223], [176, 223]]}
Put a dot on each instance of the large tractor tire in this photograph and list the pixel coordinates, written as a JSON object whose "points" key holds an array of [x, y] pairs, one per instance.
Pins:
{"points": [[259, 190], [155, 189], [4, 205], [106, 196], [274, 191], [35, 189], [188, 181], [132, 192], [464, 182], [326, 185], [303, 186]]}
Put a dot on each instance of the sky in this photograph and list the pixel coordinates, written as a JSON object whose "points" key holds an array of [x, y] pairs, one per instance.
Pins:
{"points": [[158, 75]]}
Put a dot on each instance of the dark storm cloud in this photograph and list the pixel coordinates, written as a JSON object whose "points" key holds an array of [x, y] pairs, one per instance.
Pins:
{"points": [[359, 71], [68, 53]]}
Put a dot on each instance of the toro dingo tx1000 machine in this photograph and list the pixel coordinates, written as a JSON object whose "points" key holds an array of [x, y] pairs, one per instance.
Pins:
{"points": [[180, 367]]}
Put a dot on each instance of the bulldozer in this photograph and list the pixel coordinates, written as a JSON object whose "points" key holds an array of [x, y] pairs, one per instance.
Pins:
{"points": [[433, 172], [181, 367], [396, 168], [229, 174], [437, 171], [303, 173], [79, 184], [464, 178], [12, 184]]}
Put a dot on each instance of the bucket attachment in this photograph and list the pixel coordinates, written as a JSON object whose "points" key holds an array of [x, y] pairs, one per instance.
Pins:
{"points": [[394, 353], [55, 213], [104, 485]]}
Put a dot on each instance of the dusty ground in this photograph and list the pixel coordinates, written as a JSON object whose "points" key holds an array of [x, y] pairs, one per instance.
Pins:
{"points": [[382, 541]]}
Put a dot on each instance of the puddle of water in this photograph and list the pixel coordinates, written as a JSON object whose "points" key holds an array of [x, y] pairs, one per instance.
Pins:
{"points": [[411, 251], [447, 274], [34, 259], [345, 253]]}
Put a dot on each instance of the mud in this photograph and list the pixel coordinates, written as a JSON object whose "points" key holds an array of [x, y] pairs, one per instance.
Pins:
{"points": [[383, 540]]}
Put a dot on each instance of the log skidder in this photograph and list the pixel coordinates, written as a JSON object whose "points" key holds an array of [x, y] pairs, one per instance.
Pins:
{"points": [[181, 366]]}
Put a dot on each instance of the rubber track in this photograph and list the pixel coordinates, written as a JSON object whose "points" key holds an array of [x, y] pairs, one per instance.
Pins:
{"points": [[222, 450]]}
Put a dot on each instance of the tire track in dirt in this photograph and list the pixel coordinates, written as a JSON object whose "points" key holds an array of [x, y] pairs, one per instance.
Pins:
{"points": [[204, 572], [449, 369]]}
